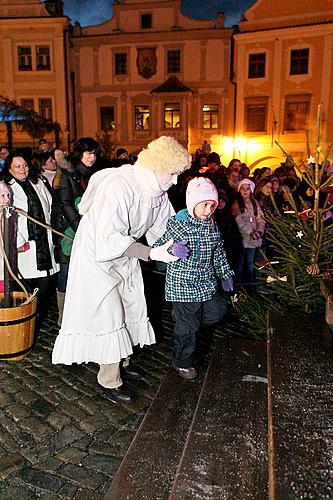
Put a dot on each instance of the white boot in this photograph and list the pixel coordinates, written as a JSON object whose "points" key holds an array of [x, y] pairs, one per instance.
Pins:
{"points": [[60, 302]]}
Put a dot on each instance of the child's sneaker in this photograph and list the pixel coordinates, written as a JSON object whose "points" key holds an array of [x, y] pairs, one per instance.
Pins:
{"points": [[187, 373]]}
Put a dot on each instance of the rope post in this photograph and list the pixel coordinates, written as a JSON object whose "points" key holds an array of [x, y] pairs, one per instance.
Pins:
{"points": [[6, 240]]}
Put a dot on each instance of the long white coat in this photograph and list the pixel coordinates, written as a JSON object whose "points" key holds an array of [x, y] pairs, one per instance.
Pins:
{"points": [[105, 312], [27, 261]]}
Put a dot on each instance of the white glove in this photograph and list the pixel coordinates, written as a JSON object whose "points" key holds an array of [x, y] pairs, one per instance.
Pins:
{"points": [[161, 253]]}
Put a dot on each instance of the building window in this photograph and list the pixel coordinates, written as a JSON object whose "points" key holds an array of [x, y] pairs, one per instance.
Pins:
{"points": [[28, 104], [24, 58], [45, 108], [107, 117], [257, 63], [297, 110], [256, 115], [43, 62], [146, 21], [120, 63], [172, 115], [173, 61], [299, 62], [210, 116], [142, 117]]}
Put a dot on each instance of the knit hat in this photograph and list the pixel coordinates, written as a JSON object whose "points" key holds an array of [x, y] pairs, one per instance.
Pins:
{"points": [[121, 151], [200, 189], [214, 158], [246, 181], [165, 155]]}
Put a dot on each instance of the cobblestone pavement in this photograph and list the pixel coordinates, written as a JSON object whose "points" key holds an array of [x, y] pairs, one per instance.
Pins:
{"points": [[59, 436]]}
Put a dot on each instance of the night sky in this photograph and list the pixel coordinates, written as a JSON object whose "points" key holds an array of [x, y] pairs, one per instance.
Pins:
{"points": [[97, 11]]}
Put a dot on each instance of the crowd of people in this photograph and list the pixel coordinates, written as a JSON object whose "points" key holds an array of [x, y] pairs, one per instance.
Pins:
{"points": [[205, 221]]}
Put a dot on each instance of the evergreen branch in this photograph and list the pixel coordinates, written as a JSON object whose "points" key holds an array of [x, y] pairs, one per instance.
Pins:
{"points": [[307, 135]]}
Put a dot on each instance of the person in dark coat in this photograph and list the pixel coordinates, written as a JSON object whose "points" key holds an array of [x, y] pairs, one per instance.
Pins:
{"points": [[70, 182]]}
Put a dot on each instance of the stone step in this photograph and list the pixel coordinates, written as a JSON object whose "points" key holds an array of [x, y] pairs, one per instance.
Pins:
{"points": [[226, 451], [300, 372], [205, 438], [149, 466]]}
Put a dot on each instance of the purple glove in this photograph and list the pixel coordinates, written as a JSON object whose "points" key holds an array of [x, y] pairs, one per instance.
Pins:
{"points": [[180, 250], [228, 285]]}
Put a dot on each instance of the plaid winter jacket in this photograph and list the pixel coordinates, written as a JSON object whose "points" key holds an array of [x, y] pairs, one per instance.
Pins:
{"points": [[194, 279]]}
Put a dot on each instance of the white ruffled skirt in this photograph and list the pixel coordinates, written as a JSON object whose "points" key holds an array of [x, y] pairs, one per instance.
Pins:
{"points": [[105, 312]]}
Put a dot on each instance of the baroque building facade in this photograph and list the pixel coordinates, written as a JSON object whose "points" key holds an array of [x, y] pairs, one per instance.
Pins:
{"points": [[282, 72], [151, 70], [33, 58]]}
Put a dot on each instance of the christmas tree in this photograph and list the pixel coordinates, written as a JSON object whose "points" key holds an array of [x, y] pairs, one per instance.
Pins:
{"points": [[300, 240]]}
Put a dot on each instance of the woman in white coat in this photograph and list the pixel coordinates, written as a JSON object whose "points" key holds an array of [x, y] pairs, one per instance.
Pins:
{"points": [[36, 264], [105, 312]]}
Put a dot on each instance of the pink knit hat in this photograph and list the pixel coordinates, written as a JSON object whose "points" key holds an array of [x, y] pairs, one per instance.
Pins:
{"points": [[247, 181], [200, 189]]}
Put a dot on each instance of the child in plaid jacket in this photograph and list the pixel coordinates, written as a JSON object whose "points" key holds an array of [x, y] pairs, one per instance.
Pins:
{"points": [[191, 284]]}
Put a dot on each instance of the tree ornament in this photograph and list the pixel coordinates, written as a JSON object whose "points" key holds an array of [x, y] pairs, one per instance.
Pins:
{"points": [[313, 269], [264, 263], [270, 279], [299, 234], [234, 299], [310, 160]]}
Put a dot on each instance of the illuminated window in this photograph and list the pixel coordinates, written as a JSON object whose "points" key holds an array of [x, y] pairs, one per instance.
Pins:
{"points": [[45, 108], [28, 104], [43, 62], [296, 115], [257, 63], [146, 21], [210, 116], [172, 115], [173, 61], [24, 58], [299, 62], [142, 117], [256, 114], [107, 117], [120, 63]]}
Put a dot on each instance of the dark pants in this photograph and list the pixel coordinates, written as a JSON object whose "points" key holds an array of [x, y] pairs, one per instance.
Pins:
{"points": [[189, 316], [245, 271], [62, 277], [45, 287]]}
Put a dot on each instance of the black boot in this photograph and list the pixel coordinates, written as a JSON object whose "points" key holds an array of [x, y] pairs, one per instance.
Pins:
{"points": [[132, 372], [119, 394]]}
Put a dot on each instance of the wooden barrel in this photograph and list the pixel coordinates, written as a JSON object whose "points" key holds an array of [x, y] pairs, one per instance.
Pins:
{"points": [[17, 327]]}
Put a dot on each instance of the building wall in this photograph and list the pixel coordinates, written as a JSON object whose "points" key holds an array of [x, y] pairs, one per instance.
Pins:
{"points": [[34, 84], [86, 71], [277, 37], [204, 69]]}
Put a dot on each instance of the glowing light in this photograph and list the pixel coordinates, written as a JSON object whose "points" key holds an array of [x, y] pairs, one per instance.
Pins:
{"points": [[240, 144]]}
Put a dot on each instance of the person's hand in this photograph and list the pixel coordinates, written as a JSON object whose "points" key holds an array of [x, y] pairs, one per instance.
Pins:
{"points": [[161, 253], [180, 250], [58, 155], [228, 285]]}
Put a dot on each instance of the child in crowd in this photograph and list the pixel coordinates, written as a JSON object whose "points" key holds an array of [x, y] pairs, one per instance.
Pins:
{"points": [[225, 218], [16, 240], [251, 224], [191, 283]]}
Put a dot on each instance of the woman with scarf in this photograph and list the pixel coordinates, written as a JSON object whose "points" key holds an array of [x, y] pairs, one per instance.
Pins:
{"points": [[37, 264]]}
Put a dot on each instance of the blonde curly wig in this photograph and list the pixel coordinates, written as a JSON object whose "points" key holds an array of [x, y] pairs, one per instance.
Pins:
{"points": [[165, 155]]}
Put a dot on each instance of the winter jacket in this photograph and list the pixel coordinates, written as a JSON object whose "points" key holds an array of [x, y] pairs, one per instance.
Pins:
{"points": [[194, 279], [27, 261], [69, 184], [248, 222]]}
